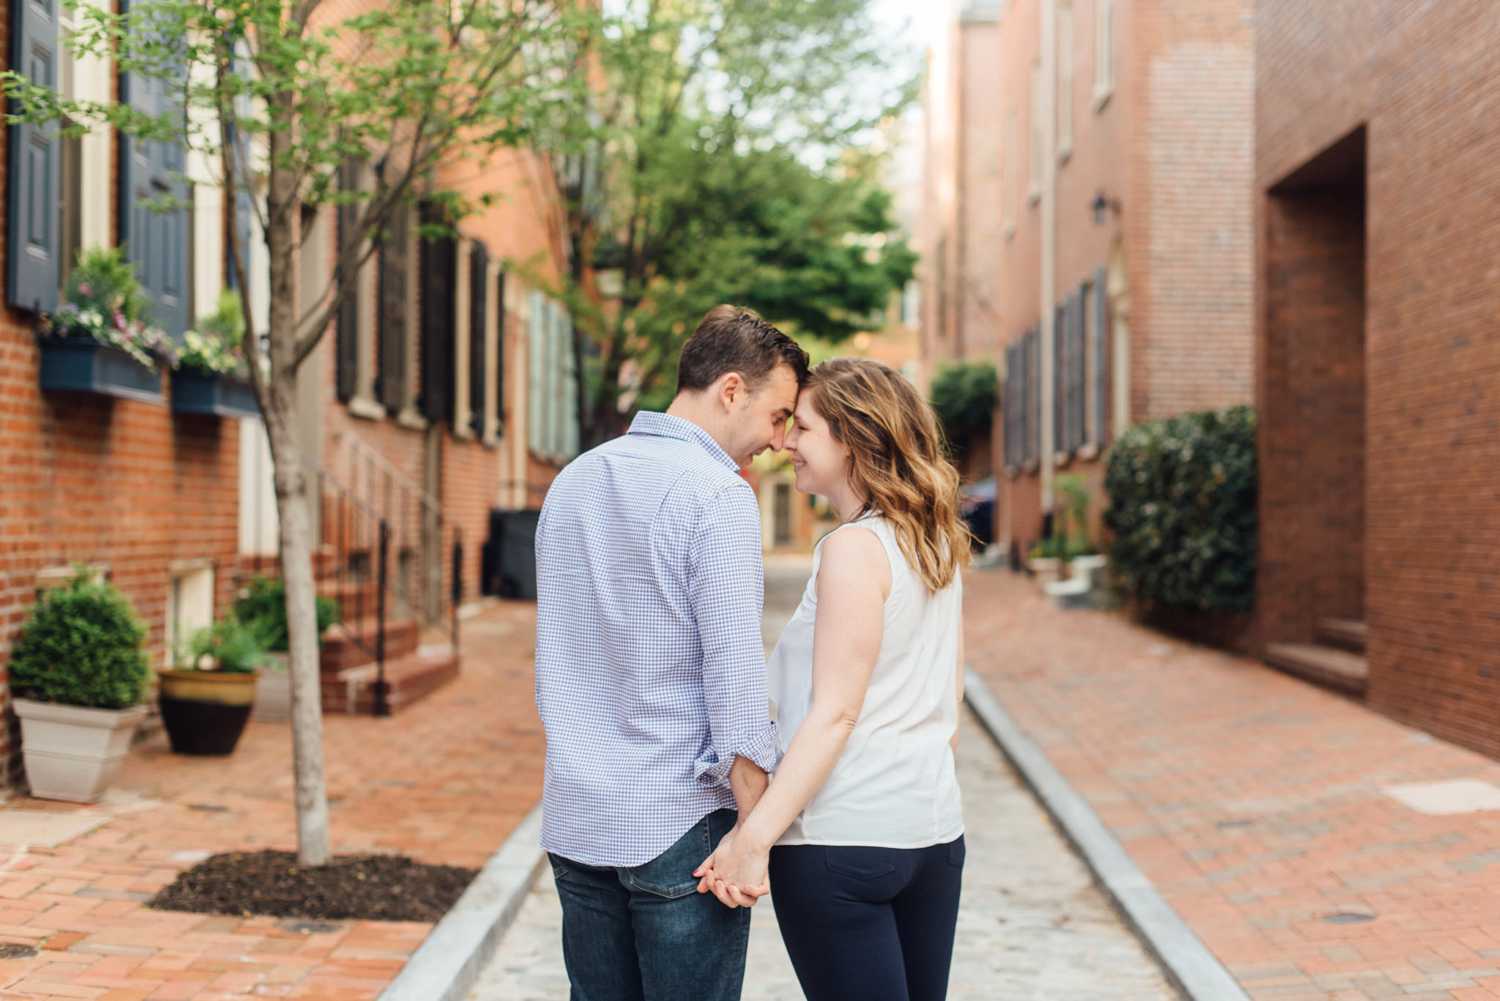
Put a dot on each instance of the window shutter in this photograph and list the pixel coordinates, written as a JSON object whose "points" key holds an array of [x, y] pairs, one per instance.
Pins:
{"points": [[346, 330], [535, 344], [1008, 405], [479, 285], [1080, 386], [34, 228], [439, 273], [1033, 395], [244, 214], [1059, 378], [1099, 349], [155, 242], [499, 359], [395, 245]]}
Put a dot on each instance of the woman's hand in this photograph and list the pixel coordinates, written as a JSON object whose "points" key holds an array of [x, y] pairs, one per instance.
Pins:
{"points": [[736, 871]]}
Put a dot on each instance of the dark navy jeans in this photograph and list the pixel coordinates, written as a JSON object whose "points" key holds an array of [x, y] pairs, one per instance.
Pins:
{"points": [[872, 924], [645, 933]]}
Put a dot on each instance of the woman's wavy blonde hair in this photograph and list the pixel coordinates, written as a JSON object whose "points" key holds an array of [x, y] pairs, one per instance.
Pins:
{"points": [[896, 461]]}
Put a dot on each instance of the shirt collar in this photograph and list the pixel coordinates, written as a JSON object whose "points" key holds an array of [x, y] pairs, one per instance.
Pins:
{"points": [[666, 426]]}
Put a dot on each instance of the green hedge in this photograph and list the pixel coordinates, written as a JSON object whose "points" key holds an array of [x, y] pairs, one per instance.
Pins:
{"points": [[964, 396], [82, 645], [1182, 510]]}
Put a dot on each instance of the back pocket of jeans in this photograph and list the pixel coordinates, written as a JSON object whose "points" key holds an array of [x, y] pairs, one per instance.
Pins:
{"points": [[859, 862]]}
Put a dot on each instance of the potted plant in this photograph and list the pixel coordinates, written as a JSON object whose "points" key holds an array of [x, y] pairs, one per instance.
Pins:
{"points": [[262, 607], [1080, 553], [98, 341], [78, 676], [206, 702], [1045, 559], [210, 375]]}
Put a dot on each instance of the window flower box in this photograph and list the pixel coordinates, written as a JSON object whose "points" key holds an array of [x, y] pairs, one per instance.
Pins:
{"points": [[81, 364], [195, 391]]}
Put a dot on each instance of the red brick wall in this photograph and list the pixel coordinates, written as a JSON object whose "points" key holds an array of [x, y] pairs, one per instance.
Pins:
{"points": [[1421, 76]]}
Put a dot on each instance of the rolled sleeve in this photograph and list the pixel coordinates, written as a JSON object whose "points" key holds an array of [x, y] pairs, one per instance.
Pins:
{"points": [[726, 588]]}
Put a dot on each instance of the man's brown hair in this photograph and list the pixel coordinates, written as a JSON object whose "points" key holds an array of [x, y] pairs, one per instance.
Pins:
{"points": [[735, 339]]}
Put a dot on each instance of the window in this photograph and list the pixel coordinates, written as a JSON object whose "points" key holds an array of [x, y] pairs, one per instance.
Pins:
{"points": [[1034, 192], [1011, 179], [190, 607], [1064, 82], [1104, 51]]}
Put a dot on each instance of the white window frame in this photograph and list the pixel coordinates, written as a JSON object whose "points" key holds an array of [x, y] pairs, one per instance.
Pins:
{"points": [[1104, 52], [1034, 189], [1065, 76]]}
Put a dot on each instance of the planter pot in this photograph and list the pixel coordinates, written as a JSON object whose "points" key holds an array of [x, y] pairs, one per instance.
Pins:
{"points": [[205, 711], [83, 365], [196, 392], [273, 695], [73, 753], [1046, 569]]}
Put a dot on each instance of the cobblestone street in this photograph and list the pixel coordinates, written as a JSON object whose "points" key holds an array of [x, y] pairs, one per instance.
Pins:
{"points": [[1033, 924]]}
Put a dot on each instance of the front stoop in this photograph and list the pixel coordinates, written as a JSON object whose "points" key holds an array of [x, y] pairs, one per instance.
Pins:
{"points": [[411, 677], [1341, 670]]}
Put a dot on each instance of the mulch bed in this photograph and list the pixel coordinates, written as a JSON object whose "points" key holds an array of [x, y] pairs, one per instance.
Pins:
{"points": [[351, 887]]}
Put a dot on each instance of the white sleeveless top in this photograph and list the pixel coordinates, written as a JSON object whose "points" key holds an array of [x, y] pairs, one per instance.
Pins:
{"points": [[894, 786]]}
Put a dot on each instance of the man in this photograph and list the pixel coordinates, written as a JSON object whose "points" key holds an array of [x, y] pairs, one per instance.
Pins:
{"points": [[650, 670]]}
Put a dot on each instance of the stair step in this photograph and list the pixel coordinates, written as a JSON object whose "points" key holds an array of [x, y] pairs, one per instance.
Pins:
{"points": [[411, 678], [1326, 665], [356, 597], [1350, 634], [349, 644]]}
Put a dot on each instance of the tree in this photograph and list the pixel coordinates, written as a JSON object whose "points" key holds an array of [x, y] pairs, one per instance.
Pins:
{"points": [[720, 162], [279, 95], [964, 395]]}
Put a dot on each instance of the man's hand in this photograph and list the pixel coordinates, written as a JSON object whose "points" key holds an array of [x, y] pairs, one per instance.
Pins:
{"points": [[736, 871]]}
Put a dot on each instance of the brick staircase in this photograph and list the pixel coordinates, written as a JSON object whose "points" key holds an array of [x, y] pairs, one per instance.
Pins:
{"points": [[1336, 660]]}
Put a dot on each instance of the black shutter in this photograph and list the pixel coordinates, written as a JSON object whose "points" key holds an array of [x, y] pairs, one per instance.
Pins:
{"points": [[1077, 372], [346, 330], [479, 363], [1099, 350], [499, 352], [438, 263], [1059, 378], [156, 242], [395, 245], [1033, 366], [34, 228]]}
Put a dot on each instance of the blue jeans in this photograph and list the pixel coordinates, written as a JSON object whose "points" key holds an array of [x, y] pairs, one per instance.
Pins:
{"points": [[873, 924], [645, 933]]}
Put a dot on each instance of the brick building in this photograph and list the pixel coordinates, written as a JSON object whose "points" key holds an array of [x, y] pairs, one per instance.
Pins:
{"points": [[1377, 233], [1123, 225], [177, 507]]}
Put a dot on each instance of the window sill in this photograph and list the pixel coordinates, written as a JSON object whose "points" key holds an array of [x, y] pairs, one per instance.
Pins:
{"points": [[1089, 453], [464, 433], [1062, 460], [409, 418], [1064, 154], [1031, 467], [365, 409], [491, 440], [1101, 99]]}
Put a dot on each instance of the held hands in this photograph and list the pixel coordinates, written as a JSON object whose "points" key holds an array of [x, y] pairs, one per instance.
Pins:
{"points": [[735, 872]]}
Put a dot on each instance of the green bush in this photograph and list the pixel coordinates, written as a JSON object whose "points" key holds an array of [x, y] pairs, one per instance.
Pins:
{"points": [[82, 645], [263, 609], [964, 396], [1182, 510], [235, 647]]}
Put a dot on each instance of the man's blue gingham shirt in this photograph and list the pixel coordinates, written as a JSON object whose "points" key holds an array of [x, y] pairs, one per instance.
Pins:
{"points": [[650, 674]]}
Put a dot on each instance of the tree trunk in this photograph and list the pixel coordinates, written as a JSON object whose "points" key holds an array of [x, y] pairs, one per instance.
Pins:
{"points": [[294, 494]]}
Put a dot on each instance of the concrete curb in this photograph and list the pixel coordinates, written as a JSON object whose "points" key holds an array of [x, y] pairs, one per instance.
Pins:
{"points": [[1186, 958], [447, 963]]}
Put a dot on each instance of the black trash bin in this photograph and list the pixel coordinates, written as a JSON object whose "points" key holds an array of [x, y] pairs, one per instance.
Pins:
{"points": [[508, 560]]}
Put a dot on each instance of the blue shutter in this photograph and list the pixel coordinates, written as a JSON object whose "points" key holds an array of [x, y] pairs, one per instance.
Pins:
{"points": [[155, 242], [34, 227], [1099, 351], [479, 285]]}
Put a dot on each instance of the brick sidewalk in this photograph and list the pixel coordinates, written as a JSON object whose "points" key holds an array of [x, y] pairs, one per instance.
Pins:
{"points": [[445, 781], [1256, 804]]}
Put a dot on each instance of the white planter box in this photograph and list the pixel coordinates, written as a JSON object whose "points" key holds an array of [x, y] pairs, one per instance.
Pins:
{"points": [[73, 753]]}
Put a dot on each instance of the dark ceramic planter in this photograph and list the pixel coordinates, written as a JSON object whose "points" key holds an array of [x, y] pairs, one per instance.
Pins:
{"points": [[205, 712]]}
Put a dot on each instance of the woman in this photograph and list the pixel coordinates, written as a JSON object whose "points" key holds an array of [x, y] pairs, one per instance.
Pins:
{"points": [[861, 830]]}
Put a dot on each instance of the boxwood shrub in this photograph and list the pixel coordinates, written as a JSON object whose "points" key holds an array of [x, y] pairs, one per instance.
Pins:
{"points": [[82, 645], [1182, 511]]}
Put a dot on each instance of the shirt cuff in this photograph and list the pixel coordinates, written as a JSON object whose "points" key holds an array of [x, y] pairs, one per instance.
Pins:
{"points": [[760, 748]]}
